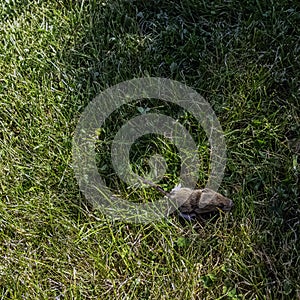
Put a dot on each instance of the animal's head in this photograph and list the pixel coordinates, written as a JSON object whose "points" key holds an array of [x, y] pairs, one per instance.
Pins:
{"points": [[212, 201]]}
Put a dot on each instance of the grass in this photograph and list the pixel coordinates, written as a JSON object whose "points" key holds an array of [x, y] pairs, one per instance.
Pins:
{"points": [[243, 57]]}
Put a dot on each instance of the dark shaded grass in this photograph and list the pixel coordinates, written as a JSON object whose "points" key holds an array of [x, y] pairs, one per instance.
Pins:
{"points": [[242, 57]]}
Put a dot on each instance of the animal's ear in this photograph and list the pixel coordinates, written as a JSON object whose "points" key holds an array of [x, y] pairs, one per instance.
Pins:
{"points": [[202, 205], [205, 198]]}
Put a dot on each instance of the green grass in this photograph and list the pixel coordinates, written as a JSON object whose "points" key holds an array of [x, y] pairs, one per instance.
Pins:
{"points": [[55, 57]]}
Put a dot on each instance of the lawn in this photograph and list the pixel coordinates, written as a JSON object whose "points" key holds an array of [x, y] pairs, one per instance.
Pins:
{"points": [[57, 56]]}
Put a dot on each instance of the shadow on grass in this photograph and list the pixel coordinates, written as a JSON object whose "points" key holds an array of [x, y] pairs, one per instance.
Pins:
{"points": [[243, 59]]}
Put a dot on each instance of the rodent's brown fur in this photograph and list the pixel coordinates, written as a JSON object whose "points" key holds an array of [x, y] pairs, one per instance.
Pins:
{"points": [[195, 202], [200, 201]]}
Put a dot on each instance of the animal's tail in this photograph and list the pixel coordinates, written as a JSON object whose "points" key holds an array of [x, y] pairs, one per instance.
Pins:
{"points": [[157, 187]]}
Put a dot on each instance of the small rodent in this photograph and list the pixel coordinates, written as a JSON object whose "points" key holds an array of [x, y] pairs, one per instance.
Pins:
{"points": [[192, 203]]}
